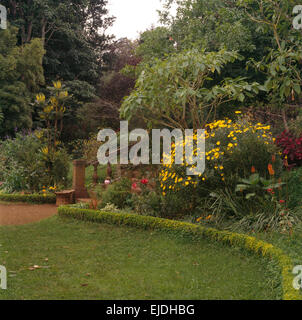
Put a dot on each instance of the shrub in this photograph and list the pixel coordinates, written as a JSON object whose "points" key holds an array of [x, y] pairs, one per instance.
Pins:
{"points": [[232, 149], [59, 168], [21, 166], [28, 198], [293, 189], [110, 208], [291, 148], [27, 165], [117, 193], [148, 204]]}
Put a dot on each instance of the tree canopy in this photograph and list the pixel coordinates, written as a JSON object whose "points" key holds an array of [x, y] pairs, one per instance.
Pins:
{"points": [[21, 73]]}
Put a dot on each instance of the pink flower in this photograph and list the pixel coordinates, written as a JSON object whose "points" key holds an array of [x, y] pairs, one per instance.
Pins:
{"points": [[107, 182], [134, 185]]}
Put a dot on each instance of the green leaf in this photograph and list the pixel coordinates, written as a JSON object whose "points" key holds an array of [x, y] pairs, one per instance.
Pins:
{"points": [[250, 195]]}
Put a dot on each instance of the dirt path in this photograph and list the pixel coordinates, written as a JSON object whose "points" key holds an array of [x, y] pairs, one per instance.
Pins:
{"points": [[17, 214]]}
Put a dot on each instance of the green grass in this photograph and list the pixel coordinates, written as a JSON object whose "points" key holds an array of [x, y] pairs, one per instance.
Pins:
{"points": [[83, 260]]}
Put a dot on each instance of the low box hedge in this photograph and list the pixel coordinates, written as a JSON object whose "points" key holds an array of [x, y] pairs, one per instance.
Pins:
{"points": [[245, 242], [28, 198]]}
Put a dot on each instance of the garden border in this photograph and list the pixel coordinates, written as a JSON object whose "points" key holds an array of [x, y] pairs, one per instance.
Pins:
{"points": [[28, 198], [183, 228]]}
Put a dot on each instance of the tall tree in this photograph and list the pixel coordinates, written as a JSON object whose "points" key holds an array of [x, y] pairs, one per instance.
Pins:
{"points": [[21, 73], [112, 88], [71, 30]]}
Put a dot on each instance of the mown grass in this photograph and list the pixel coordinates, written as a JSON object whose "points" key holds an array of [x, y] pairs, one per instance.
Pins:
{"points": [[79, 260]]}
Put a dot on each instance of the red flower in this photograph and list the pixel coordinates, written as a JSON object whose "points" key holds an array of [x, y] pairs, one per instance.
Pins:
{"points": [[144, 181], [271, 191], [281, 201], [134, 185]]}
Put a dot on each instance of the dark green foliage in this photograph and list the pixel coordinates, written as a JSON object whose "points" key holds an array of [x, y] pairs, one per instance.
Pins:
{"points": [[21, 73], [293, 190], [71, 32], [117, 193], [23, 166], [155, 43]]}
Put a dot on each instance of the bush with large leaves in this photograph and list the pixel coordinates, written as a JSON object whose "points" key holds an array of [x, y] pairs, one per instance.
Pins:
{"points": [[183, 91]]}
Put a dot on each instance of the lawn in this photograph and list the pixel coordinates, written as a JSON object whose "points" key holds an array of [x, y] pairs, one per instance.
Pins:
{"points": [[79, 260]]}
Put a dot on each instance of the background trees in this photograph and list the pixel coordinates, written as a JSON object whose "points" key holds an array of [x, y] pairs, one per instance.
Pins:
{"points": [[21, 73], [72, 32], [112, 87], [73, 36]]}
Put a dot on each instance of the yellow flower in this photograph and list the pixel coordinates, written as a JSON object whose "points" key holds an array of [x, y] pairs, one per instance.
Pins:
{"points": [[44, 150], [40, 98], [57, 84]]}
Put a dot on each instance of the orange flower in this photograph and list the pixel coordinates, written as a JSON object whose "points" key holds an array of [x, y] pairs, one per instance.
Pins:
{"points": [[253, 170], [271, 170]]}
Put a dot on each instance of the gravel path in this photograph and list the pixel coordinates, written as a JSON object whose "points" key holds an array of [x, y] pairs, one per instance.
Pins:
{"points": [[17, 214]]}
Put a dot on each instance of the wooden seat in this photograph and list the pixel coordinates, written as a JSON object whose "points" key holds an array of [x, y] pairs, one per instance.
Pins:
{"points": [[65, 197]]}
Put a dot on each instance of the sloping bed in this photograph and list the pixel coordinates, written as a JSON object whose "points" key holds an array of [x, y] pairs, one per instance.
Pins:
{"points": [[184, 229]]}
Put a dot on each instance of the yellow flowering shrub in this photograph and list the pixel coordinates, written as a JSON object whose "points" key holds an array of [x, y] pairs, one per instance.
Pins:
{"points": [[232, 148]]}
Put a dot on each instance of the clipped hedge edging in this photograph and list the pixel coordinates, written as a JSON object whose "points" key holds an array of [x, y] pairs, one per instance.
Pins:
{"points": [[28, 198], [188, 229]]}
